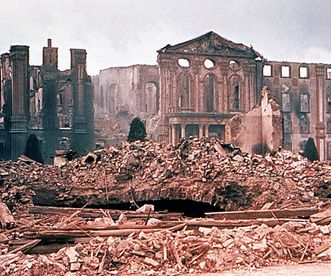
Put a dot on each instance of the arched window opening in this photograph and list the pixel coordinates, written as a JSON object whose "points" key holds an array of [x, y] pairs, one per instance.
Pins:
{"points": [[31, 84], [210, 93], [184, 93], [111, 98], [151, 95], [235, 94], [234, 65], [328, 99], [101, 99], [208, 63], [183, 62]]}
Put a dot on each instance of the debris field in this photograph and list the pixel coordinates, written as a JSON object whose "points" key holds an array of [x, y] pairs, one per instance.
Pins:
{"points": [[263, 211]]}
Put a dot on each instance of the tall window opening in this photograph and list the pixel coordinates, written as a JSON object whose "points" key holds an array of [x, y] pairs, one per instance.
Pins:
{"points": [[184, 94], [111, 97], [210, 93], [235, 94], [151, 98]]}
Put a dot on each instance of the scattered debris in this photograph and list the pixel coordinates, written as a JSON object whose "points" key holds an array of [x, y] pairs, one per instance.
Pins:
{"points": [[272, 214]]}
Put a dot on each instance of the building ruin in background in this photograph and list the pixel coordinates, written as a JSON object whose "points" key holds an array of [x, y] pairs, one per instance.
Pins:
{"points": [[122, 93], [56, 106], [211, 86]]}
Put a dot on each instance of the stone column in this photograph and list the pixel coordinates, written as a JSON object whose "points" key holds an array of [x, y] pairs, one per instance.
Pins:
{"points": [[320, 120], [200, 131], [173, 134], [182, 134], [19, 105], [206, 130]]}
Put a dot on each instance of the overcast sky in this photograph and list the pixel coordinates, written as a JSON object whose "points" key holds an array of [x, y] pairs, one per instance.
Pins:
{"points": [[125, 32]]}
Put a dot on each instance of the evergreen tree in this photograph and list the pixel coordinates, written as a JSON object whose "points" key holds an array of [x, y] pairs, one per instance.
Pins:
{"points": [[137, 130], [310, 150], [32, 149]]}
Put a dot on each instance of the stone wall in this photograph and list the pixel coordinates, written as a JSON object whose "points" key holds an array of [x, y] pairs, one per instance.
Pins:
{"points": [[259, 130], [122, 93]]}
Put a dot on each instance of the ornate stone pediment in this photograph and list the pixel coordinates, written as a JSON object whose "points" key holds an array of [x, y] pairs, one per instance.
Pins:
{"points": [[211, 44]]}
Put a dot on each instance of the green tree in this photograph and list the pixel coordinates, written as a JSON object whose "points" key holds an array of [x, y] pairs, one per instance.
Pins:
{"points": [[137, 130], [310, 150]]}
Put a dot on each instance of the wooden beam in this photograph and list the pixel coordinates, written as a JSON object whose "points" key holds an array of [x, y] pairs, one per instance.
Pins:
{"points": [[6, 218], [97, 213], [272, 213]]}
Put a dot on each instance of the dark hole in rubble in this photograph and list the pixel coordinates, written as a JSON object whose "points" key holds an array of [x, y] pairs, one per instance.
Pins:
{"points": [[189, 208], [233, 196]]}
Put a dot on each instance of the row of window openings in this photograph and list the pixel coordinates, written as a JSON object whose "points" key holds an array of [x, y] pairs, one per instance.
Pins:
{"points": [[234, 100], [285, 71], [209, 64], [287, 103], [304, 103], [304, 124]]}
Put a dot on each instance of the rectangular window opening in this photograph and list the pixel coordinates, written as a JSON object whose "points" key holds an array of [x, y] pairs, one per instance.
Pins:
{"points": [[286, 102], [304, 103], [285, 71], [328, 103], [303, 72], [328, 73], [329, 150], [267, 70], [328, 127]]}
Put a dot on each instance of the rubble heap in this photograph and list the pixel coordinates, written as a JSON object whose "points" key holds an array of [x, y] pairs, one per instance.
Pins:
{"points": [[177, 251], [203, 170]]}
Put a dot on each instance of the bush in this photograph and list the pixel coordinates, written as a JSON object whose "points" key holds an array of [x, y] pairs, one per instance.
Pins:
{"points": [[32, 149], [310, 150], [137, 130]]}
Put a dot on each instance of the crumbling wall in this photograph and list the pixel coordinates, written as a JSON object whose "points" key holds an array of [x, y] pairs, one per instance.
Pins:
{"points": [[244, 130], [122, 93], [272, 132], [259, 130]]}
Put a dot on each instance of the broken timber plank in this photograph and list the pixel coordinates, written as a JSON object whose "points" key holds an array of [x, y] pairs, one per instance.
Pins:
{"points": [[97, 213], [60, 234], [6, 218], [322, 217], [272, 213], [26, 247]]}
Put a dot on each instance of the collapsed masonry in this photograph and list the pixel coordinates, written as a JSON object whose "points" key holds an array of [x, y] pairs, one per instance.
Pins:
{"points": [[204, 171], [51, 108], [259, 130], [285, 221], [200, 84], [122, 93]]}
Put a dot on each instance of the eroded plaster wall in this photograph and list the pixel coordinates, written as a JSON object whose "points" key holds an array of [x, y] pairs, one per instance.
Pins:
{"points": [[55, 106], [304, 92], [244, 130], [259, 130], [271, 121], [122, 93]]}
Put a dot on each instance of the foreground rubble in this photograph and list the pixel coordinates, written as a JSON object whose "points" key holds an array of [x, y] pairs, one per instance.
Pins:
{"points": [[201, 170], [154, 248], [277, 211]]}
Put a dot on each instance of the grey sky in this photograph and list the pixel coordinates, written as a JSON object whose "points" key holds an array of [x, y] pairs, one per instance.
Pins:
{"points": [[125, 32]]}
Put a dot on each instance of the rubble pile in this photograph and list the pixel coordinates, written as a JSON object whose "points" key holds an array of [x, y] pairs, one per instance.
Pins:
{"points": [[203, 170], [205, 249], [15, 178]]}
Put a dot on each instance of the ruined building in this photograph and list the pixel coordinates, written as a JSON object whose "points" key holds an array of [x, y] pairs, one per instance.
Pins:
{"points": [[55, 106], [204, 83], [211, 86], [120, 94]]}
